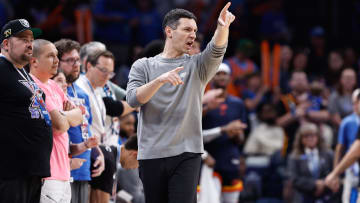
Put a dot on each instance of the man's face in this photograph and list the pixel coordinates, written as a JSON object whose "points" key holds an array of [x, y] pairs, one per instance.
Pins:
{"points": [[70, 64], [221, 80], [348, 79], [299, 82], [183, 37], [127, 125], [102, 71], [20, 47], [128, 159], [47, 62]]}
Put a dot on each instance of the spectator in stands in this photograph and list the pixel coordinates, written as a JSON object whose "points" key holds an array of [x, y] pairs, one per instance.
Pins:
{"points": [[241, 65], [294, 108], [267, 138], [60, 79], [254, 93], [80, 136], [300, 62], [128, 180], [99, 67], [335, 67], [26, 137], [340, 102], [225, 149], [43, 66], [75, 163], [309, 163]]}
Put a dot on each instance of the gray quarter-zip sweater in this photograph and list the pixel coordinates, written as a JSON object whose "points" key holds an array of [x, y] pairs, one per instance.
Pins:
{"points": [[170, 122]]}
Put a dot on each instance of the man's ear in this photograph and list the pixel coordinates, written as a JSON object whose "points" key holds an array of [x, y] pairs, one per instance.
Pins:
{"points": [[5, 44], [168, 32], [87, 66]]}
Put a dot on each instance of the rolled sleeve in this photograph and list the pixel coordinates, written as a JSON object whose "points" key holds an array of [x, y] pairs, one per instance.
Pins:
{"points": [[209, 60]]}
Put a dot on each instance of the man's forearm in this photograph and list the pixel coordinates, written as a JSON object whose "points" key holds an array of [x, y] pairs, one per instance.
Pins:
{"points": [[76, 149], [338, 154], [351, 156], [59, 121], [127, 108], [145, 92], [221, 35], [74, 117], [284, 120]]}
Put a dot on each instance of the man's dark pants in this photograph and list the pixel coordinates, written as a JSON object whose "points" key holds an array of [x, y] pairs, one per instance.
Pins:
{"points": [[20, 190], [172, 179]]}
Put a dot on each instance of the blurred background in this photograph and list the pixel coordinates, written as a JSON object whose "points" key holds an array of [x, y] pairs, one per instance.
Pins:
{"points": [[292, 62]]}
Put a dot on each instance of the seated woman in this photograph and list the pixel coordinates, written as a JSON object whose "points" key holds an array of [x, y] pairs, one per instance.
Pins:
{"points": [[308, 165]]}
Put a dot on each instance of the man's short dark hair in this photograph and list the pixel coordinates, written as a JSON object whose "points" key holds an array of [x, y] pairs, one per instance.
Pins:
{"points": [[38, 44], [66, 45], [132, 143], [171, 19], [94, 57]]}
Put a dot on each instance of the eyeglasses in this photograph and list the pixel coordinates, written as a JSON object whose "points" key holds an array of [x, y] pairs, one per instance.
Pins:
{"points": [[71, 61], [309, 135], [105, 71]]}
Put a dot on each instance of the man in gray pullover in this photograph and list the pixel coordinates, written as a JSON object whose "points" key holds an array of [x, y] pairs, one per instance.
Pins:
{"points": [[169, 88]]}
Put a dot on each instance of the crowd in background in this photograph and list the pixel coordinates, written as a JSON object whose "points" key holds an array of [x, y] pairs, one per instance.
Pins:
{"points": [[289, 73]]}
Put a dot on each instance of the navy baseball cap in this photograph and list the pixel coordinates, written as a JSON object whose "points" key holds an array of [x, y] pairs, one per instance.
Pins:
{"points": [[16, 26]]}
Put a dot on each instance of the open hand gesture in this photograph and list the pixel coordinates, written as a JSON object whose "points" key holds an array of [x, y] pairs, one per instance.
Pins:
{"points": [[226, 17]]}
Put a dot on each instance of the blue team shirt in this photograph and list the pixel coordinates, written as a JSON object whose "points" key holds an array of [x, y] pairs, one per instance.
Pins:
{"points": [[348, 130], [223, 149], [80, 133]]}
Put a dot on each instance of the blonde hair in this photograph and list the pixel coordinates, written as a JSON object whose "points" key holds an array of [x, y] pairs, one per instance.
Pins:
{"points": [[304, 129]]}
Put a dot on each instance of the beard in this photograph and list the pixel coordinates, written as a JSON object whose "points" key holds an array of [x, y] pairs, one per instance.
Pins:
{"points": [[21, 59], [124, 134], [70, 78]]}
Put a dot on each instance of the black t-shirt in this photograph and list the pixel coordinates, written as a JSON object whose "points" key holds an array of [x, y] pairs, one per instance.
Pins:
{"points": [[26, 139]]}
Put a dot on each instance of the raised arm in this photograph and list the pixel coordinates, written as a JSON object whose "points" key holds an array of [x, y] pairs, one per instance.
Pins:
{"points": [[212, 56], [222, 31]]}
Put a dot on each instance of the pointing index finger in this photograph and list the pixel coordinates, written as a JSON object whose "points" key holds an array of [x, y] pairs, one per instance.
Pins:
{"points": [[178, 69], [226, 7]]}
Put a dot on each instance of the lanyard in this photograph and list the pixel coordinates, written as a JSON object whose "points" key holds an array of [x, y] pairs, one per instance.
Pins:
{"points": [[74, 91], [78, 101], [97, 102], [37, 97]]}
